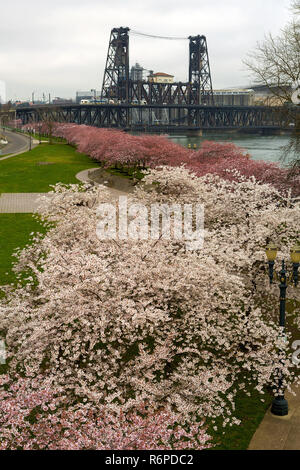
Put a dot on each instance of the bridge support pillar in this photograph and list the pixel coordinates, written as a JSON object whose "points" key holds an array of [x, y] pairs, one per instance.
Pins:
{"points": [[194, 132]]}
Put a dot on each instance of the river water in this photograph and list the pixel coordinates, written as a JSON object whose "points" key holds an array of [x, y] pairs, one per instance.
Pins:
{"points": [[267, 148]]}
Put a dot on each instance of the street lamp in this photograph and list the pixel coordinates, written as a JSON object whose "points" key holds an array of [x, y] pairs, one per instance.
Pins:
{"points": [[280, 404], [30, 132], [40, 137], [1, 123]]}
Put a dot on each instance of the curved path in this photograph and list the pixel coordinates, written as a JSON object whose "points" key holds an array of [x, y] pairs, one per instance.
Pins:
{"points": [[84, 177], [17, 143]]}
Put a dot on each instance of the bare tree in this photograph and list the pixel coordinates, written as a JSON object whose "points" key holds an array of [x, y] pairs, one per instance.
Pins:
{"points": [[296, 7], [275, 63]]}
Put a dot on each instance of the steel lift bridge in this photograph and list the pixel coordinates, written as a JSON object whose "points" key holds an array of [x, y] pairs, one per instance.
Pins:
{"points": [[165, 107], [118, 86]]}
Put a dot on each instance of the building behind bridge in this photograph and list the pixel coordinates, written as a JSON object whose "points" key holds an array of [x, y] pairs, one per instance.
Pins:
{"points": [[234, 97], [160, 77], [87, 95], [270, 95]]}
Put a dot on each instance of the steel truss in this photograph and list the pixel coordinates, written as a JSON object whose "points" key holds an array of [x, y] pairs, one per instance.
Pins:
{"points": [[201, 91], [116, 74], [159, 93], [165, 117]]}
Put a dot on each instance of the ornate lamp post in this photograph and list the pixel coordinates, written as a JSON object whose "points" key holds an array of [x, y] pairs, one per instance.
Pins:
{"points": [[280, 404], [30, 133]]}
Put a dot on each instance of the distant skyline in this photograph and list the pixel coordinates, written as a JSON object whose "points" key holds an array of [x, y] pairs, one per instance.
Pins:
{"points": [[60, 46]]}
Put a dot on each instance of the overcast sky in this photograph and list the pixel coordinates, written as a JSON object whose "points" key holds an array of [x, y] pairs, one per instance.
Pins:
{"points": [[60, 46]]}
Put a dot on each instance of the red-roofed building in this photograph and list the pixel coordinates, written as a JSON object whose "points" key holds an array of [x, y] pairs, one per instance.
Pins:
{"points": [[160, 77]]}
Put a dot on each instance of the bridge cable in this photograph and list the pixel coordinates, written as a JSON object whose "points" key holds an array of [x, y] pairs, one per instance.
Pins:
{"points": [[137, 33]]}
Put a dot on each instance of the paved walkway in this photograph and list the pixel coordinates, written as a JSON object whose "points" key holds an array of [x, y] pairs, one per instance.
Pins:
{"points": [[83, 176], [12, 203], [279, 432]]}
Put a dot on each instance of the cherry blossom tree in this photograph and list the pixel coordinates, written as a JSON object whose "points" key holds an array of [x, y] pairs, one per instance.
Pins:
{"points": [[123, 325], [120, 323], [34, 417], [116, 148]]}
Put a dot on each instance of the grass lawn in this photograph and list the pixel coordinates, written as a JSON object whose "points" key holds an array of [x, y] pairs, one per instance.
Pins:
{"points": [[15, 232], [38, 136], [24, 173], [250, 411], [29, 173]]}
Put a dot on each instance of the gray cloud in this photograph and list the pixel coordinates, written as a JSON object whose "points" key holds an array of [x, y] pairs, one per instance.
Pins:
{"points": [[60, 46]]}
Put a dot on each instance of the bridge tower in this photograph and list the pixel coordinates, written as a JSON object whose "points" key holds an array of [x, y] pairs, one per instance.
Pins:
{"points": [[201, 91], [116, 75]]}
